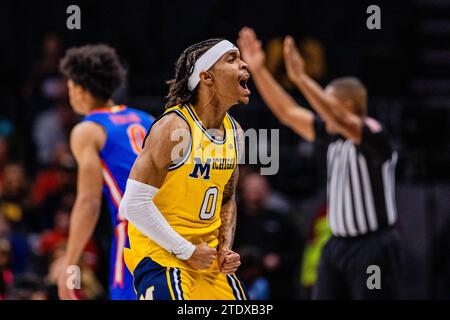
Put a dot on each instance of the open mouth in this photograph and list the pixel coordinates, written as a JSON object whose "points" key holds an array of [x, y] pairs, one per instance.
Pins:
{"points": [[243, 83]]}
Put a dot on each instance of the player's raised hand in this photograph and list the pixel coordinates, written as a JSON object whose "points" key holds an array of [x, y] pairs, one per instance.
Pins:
{"points": [[229, 261], [295, 65], [251, 49], [202, 257]]}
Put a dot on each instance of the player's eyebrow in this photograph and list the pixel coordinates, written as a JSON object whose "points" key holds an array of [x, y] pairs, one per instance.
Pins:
{"points": [[233, 53]]}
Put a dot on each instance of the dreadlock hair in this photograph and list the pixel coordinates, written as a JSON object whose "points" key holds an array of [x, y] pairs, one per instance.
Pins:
{"points": [[179, 92], [94, 67]]}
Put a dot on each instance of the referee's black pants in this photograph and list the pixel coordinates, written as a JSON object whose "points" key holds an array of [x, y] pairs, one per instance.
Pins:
{"points": [[343, 268]]}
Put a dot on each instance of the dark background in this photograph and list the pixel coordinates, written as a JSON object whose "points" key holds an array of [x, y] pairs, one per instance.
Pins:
{"points": [[405, 66]]}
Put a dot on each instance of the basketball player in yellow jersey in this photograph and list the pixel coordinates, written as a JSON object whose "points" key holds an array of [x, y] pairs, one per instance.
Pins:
{"points": [[179, 198]]}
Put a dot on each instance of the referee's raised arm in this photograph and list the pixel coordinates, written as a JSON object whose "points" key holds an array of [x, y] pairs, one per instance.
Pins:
{"points": [[283, 106], [342, 110]]}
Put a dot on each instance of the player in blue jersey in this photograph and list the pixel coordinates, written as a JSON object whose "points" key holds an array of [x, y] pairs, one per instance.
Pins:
{"points": [[105, 145]]}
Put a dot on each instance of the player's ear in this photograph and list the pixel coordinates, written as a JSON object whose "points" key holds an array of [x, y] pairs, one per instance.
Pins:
{"points": [[84, 95], [206, 77], [78, 89]]}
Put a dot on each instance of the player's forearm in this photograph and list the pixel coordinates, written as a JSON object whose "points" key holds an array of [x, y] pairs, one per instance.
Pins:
{"points": [[322, 103], [276, 98], [84, 218], [137, 206], [228, 226]]}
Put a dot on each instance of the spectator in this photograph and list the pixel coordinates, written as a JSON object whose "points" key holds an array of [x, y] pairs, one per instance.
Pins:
{"points": [[6, 127], [4, 155], [319, 232], [269, 230], [275, 200], [252, 273], [52, 127], [52, 240], [19, 247], [41, 86], [58, 191], [28, 287], [58, 176], [6, 275], [4, 158], [16, 203]]}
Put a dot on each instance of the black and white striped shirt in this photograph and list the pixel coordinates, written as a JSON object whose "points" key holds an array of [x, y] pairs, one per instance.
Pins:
{"points": [[360, 180]]}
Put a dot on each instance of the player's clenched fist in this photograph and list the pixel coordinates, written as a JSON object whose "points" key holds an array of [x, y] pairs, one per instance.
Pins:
{"points": [[229, 261], [202, 257]]}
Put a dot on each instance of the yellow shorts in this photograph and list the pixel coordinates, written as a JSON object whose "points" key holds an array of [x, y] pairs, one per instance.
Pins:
{"points": [[155, 282]]}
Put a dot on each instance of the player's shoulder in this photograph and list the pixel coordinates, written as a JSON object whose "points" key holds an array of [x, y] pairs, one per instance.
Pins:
{"points": [[165, 133], [86, 128], [87, 132], [168, 125], [170, 121]]}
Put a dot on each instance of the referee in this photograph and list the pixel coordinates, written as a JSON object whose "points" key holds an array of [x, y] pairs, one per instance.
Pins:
{"points": [[362, 258]]}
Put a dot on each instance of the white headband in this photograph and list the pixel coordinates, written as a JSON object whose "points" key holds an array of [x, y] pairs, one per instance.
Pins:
{"points": [[208, 59]]}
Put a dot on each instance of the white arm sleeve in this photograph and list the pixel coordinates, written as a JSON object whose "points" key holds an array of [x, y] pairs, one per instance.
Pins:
{"points": [[137, 206]]}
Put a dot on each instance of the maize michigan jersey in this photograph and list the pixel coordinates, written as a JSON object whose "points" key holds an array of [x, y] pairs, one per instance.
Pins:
{"points": [[190, 197]]}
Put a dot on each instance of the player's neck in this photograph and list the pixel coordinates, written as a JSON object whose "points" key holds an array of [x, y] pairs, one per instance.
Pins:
{"points": [[210, 112], [99, 104]]}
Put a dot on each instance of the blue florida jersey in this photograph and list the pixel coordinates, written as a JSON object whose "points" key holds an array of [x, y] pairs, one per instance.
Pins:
{"points": [[125, 130]]}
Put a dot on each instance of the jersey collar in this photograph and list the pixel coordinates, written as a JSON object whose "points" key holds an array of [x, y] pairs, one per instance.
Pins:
{"points": [[114, 109]]}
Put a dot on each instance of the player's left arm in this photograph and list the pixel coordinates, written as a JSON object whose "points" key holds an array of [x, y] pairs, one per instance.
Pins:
{"points": [[228, 212], [330, 109], [86, 140], [229, 260]]}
